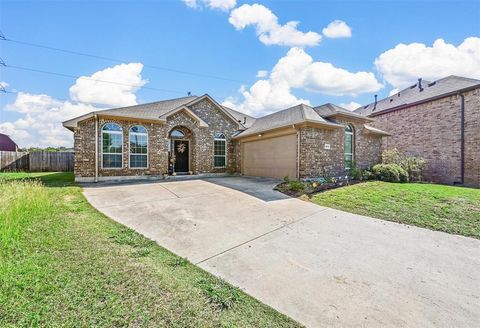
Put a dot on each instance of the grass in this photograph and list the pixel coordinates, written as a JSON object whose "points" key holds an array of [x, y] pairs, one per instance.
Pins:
{"points": [[62, 263], [450, 209]]}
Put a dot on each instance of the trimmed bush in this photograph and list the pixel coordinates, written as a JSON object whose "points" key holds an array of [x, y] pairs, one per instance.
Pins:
{"points": [[296, 185], [390, 173], [413, 165]]}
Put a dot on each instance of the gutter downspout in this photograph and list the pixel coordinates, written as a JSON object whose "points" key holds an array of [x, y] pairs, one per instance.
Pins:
{"points": [[96, 149], [462, 139]]}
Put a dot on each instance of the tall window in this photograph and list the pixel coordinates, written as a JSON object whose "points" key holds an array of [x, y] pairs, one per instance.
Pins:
{"points": [[348, 146], [112, 146], [219, 150], [138, 139]]}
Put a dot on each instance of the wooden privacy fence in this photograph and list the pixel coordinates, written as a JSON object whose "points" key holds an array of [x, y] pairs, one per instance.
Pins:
{"points": [[36, 161]]}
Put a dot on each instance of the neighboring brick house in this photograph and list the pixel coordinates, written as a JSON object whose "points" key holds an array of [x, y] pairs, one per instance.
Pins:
{"points": [[439, 121], [197, 135], [7, 144]]}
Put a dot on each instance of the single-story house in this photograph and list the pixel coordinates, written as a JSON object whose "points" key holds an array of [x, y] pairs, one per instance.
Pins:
{"points": [[197, 135], [7, 144], [439, 121]]}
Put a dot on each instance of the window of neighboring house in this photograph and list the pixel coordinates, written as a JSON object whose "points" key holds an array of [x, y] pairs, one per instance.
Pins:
{"points": [[349, 139], [138, 140], [219, 150], [112, 146]]}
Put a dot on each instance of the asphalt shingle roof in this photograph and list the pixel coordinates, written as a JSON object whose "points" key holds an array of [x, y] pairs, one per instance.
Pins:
{"points": [[413, 94], [148, 111], [293, 115]]}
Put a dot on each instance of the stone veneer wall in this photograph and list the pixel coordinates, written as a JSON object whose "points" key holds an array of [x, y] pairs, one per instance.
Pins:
{"points": [[432, 130], [201, 143], [316, 161]]}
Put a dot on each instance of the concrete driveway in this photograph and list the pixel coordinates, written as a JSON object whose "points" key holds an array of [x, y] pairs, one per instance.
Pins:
{"points": [[320, 266]]}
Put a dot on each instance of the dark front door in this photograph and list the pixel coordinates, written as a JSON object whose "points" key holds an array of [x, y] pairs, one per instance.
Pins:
{"points": [[181, 155]]}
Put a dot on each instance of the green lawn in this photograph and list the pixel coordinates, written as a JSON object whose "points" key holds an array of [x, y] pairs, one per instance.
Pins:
{"points": [[445, 208], [62, 263]]}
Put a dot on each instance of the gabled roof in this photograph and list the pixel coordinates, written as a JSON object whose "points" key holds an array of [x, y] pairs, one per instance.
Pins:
{"points": [[329, 110], [245, 119], [157, 111], [6, 143], [185, 109], [413, 94], [149, 111], [294, 115]]}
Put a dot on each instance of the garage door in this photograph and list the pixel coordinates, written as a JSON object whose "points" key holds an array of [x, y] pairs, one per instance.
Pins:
{"points": [[274, 157]]}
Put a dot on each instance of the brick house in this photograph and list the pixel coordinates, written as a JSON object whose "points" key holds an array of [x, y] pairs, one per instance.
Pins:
{"points": [[439, 121], [196, 135]]}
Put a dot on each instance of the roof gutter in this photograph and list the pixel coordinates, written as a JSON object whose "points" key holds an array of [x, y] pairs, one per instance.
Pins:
{"points": [[453, 93]]}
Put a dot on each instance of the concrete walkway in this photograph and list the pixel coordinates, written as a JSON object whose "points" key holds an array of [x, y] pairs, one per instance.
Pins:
{"points": [[320, 266]]}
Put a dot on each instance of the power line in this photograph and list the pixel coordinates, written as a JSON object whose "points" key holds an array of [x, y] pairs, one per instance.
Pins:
{"points": [[162, 68], [89, 78]]}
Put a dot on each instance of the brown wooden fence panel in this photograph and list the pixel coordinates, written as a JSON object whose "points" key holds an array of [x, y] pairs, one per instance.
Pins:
{"points": [[13, 161], [51, 161], [36, 161]]}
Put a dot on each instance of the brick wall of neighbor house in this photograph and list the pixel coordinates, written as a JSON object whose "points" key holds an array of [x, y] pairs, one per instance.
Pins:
{"points": [[316, 161], [201, 143], [432, 130]]}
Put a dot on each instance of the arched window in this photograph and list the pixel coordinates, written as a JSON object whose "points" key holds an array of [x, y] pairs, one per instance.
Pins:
{"points": [[112, 146], [219, 150], [177, 134], [138, 140], [349, 146]]}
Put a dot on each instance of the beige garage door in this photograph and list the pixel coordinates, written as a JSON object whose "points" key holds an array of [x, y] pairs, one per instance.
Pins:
{"points": [[274, 157]]}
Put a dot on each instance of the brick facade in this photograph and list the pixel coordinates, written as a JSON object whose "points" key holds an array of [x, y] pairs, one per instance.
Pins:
{"points": [[432, 130], [316, 161], [201, 141]]}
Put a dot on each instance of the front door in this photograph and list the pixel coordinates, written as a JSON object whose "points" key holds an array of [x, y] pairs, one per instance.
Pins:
{"points": [[181, 156]]}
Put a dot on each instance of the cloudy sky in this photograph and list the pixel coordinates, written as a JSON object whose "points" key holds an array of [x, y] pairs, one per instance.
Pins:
{"points": [[255, 56]]}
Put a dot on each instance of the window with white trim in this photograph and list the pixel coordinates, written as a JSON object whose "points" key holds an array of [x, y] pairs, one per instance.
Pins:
{"points": [[219, 150], [112, 146], [349, 146], [138, 141]]}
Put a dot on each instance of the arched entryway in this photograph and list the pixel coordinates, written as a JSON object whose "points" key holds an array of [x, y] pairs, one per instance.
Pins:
{"points": [[179, 154]]}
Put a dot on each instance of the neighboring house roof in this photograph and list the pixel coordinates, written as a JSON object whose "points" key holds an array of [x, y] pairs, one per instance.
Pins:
{"points": [[329, 110], [6, 143], [414, 95], [294, 115]]}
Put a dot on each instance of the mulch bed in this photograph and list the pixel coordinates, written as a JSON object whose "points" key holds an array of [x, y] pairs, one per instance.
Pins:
{"points": [[310, 191]]}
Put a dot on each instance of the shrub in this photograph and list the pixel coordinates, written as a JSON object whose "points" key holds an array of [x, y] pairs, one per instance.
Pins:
{"points": [[413, 165], [295, 185], [286, 179], [390, 173], [355, 172]]}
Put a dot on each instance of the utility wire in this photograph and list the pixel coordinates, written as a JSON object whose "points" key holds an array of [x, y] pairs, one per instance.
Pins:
{"points": [[89, 78], [3, 38]]}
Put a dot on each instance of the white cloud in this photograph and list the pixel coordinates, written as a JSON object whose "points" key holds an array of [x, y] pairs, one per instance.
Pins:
{"points": [[404, 64], [3, 84], [191, 3], [350, 106], [128, 77], [393, 92], [268, 29], [224, 5], [42, 115], [297, 70], [41, 124], [262, 73], [337, 29]]}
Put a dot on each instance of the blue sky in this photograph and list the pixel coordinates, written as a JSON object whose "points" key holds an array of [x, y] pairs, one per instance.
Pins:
{"points": [[202, 40]]}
